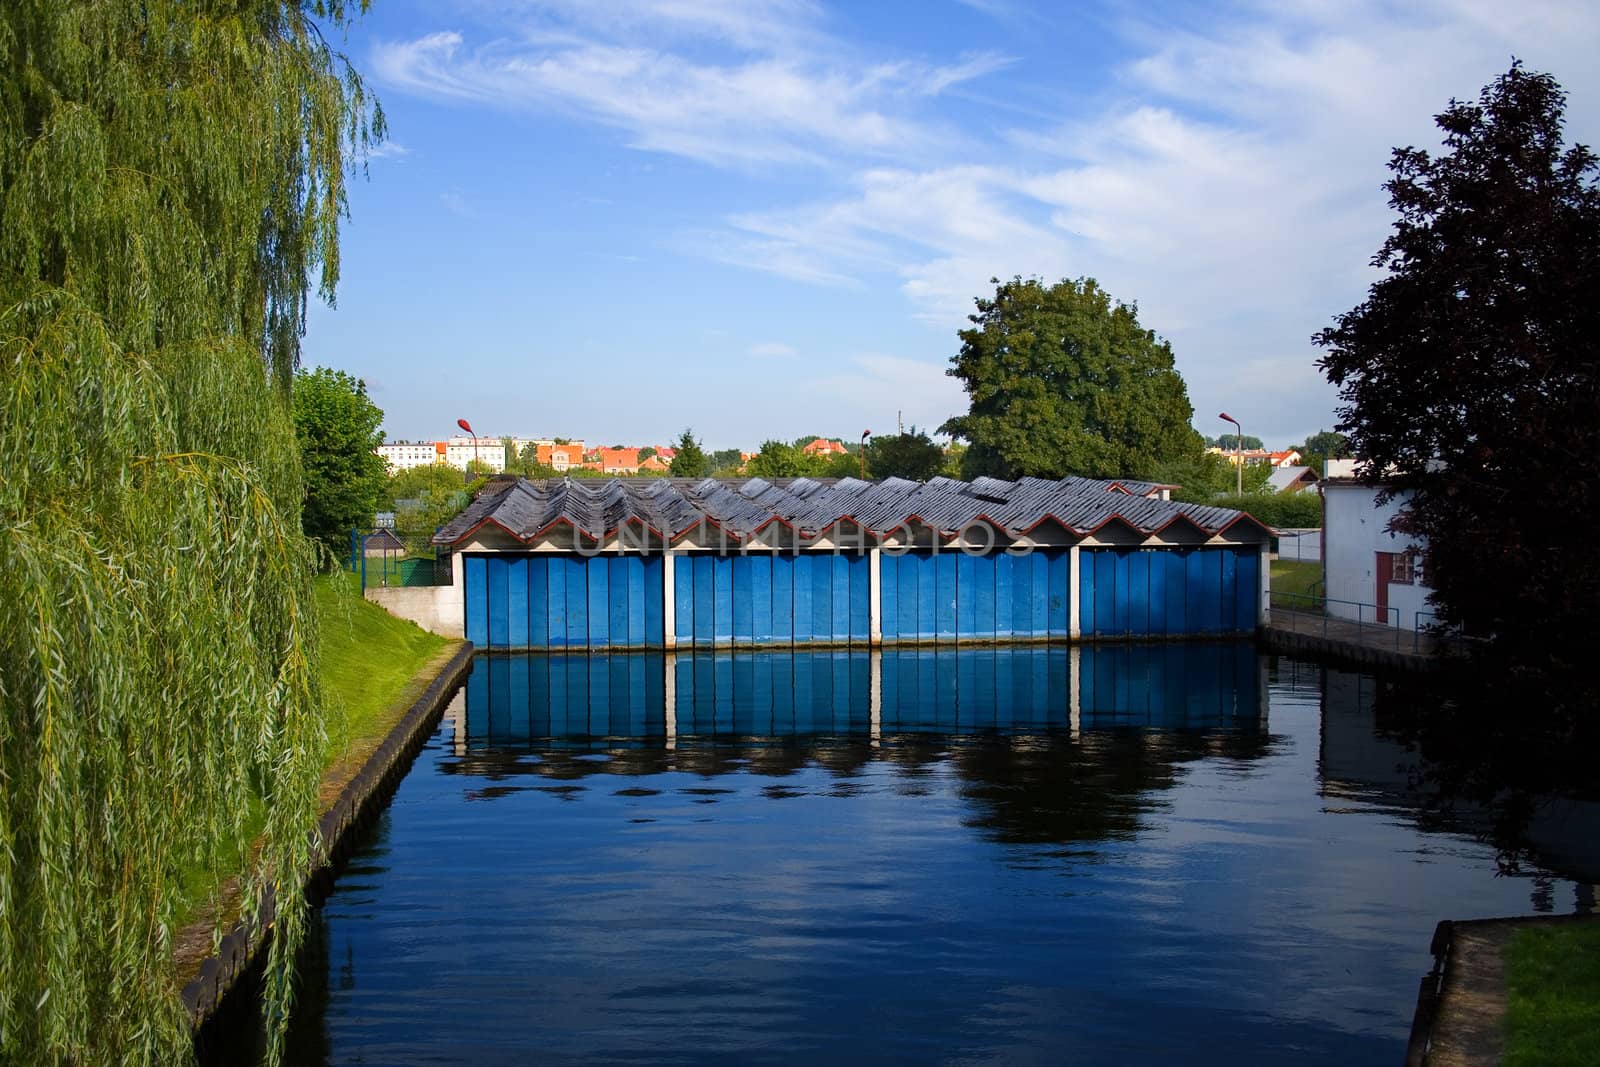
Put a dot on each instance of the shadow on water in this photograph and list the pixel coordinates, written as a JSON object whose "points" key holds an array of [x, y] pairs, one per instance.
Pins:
{"points": [[1461, 753]]}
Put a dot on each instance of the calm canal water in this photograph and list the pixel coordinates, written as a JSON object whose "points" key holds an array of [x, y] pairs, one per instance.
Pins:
{"points": [[1181, 853]]}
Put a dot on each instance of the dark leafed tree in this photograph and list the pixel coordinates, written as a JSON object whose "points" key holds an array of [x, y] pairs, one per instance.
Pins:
{"points": [[1323, 446], [171, 181], [690, 460], [912, 455], [1470, 376], [1063, 380], [338, 429]]}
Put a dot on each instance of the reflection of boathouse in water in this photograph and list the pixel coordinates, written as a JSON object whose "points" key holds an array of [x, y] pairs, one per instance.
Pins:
{"points": [[511, 699], [676, 563], [1111, 722]]}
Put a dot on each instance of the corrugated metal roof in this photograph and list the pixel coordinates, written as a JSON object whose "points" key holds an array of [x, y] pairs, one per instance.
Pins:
{"points": [[669, 507]]}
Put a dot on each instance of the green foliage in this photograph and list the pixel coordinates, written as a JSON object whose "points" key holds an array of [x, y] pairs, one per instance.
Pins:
{"points": [[1278, 510], [1228, 442], [1320, 447], [912, 455], [525, 464], [690, 460], [338, 429], [1205, 476], [646, 452], [1470, 376], [778, 460], [954, 460], [425, 498], [1062, 381], [726, 460], [842, 465], [171, 179]]}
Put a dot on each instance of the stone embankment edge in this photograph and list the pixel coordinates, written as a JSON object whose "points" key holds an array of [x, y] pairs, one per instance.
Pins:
{"points": [[242, 946], [1437, 986], [1344, 653]]}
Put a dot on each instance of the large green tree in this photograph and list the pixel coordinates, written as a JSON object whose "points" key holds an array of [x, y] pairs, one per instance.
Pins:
{"points": [[1470, 375], [912, 455], [1322, 446], [171, 180], [779, 460], [690, 459], [338, 427], [1063, 380]]}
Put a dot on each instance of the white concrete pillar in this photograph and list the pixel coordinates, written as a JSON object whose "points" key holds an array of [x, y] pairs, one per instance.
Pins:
{"points": [[876, 698], [455, 607], [669, 599], [875, 604], [1075, 688], [1074, 627], [670, 681], [1264, 613], [455, 713]]}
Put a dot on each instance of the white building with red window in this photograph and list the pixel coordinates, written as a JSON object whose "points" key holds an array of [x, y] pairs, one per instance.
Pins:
{"points": [[1370, 573]]}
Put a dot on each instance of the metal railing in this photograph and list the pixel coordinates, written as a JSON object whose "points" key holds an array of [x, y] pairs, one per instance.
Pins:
{"points": [[1372, 626], [389, 558]]}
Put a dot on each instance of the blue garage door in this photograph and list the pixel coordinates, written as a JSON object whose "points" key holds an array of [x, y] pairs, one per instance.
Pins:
{"points": [[801, 599], [950, 596], [1168, 592], [552, 601]]}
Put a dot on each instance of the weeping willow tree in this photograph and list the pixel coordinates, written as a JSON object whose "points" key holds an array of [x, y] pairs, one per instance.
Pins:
{"points": [[171, 183]]}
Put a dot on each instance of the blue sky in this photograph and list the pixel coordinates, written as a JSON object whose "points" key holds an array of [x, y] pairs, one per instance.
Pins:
{"points": [[764, 218]]}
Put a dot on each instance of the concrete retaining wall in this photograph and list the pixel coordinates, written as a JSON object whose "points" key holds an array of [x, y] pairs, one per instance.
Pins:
{"points": [[435, 608]]}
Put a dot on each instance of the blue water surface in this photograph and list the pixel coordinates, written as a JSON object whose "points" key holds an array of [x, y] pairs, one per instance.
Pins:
{"points": [[1171, 853]]}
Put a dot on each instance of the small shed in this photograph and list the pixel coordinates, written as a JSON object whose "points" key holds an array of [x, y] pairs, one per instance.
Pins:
{"points": [[382, 543], [675, 563]]}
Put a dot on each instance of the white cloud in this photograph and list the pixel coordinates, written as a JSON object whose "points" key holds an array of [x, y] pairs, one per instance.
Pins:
{"points": [[1232, 188], [388, 150], [771, 100], [771, 350], [1227, 175]]}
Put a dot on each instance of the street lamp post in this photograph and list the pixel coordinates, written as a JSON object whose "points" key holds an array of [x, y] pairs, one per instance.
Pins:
{"points": [[467, 426], [864, 435], [1238, 449]]}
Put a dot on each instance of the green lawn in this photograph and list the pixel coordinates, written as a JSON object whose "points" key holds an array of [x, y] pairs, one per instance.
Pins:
{"points": [[369, 659], [1295, 577], [1553, 992]]}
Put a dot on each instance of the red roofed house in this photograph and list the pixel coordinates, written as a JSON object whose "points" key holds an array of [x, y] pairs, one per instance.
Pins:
{"points": [[560, 457], [615, 460], [823, 447]]}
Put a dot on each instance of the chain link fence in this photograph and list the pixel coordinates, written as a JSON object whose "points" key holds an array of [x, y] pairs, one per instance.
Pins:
{"points": [[386, 557]]}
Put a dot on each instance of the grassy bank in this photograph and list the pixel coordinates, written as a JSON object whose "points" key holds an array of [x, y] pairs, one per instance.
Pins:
{"points": [[373, 666], [1295, 577], [1553, 983], [371, 663]]}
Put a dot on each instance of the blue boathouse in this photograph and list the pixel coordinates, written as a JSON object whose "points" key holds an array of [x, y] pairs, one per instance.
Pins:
{"points": [[575, 565]]}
